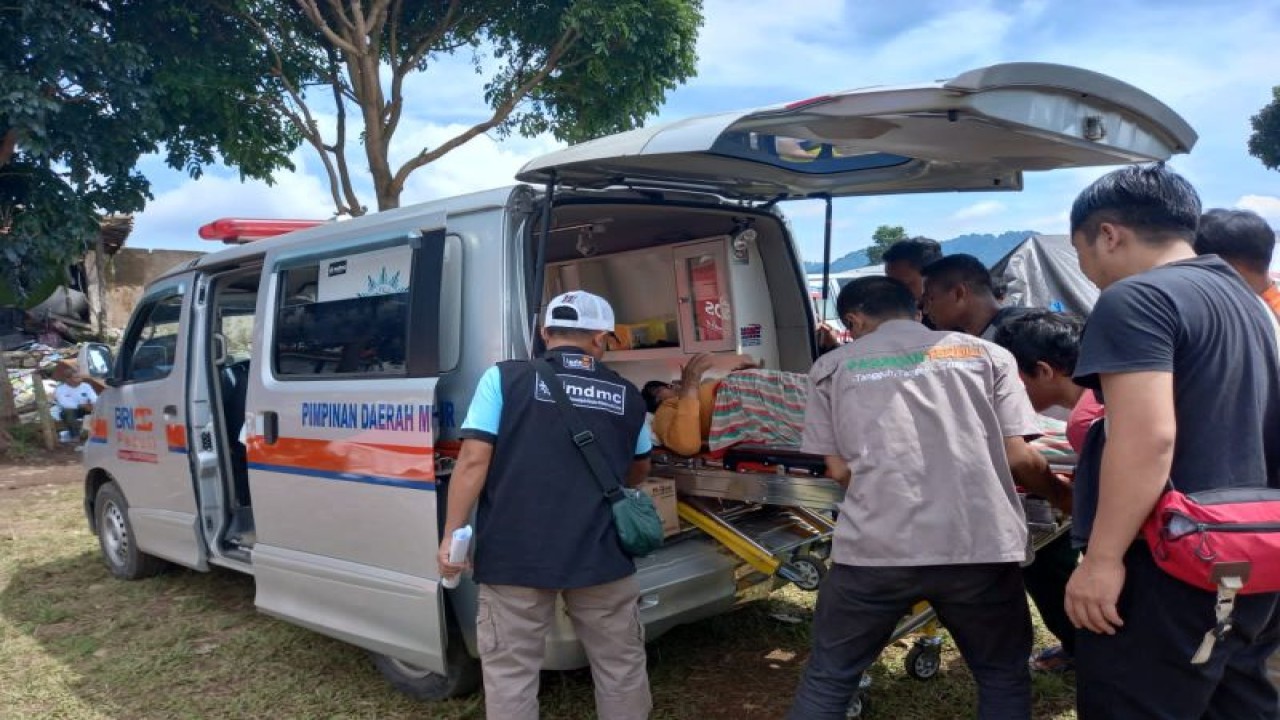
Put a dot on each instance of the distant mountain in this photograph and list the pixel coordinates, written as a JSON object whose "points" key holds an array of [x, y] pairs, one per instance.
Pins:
{"points": [[987, 247]]}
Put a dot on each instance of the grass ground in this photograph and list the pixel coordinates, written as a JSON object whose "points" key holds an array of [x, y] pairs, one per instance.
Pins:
{"points": [[74, 643]]}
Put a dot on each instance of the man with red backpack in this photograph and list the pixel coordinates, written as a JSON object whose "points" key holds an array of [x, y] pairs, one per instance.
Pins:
{"points": [[1185, 359]]}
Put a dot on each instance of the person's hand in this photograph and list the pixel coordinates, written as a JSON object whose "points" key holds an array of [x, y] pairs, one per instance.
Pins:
{"points": [[1092, 594], [449, 569], [748, 364], [1063, 496], [827, 337], [692, 372]]}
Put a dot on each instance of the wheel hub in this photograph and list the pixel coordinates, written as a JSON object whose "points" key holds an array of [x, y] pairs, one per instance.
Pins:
{"points": [[115, 534]]}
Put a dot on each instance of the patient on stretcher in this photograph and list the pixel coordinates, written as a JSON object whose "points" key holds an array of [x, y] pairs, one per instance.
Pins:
{"points": [[748, 406]]}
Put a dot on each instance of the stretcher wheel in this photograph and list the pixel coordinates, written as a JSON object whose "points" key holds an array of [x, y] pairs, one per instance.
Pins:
{"points": [[860, 706], [923, 661], [810, 571]]}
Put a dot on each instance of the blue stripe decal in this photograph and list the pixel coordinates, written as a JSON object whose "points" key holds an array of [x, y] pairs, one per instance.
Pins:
{"points": [[428, 485], [176, 449], [98, 441]]}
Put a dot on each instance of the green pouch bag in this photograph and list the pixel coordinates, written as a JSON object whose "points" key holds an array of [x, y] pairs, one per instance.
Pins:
{"points": [[639, 527]]}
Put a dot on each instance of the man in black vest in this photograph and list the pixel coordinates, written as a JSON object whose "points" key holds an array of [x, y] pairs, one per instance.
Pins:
{"points": [[543, 528]]}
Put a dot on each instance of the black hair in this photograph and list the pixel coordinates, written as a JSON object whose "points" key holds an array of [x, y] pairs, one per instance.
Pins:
{"points": [[916, 252], [1237, 236], [1042, 336], [960, 268], [575, 335], [1154, 201], [650, 394], [878, 297]]}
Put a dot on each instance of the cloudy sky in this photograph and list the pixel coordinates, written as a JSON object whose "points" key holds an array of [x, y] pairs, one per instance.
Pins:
{"points": [[1214, 63]]}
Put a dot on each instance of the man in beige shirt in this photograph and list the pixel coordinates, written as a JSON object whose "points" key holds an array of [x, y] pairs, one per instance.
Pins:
{"points": [[927, 431]]}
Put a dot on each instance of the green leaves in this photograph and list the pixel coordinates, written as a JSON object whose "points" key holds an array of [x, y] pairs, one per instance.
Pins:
{"points": [[884, 237], [1264, 144], [88, 88]]}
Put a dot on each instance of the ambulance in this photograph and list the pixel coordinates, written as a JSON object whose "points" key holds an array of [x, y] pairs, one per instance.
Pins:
{"points": [[289, 408]]}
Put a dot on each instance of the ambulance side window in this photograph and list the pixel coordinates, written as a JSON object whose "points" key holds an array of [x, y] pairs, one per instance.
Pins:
{"points": [[344, 316], [152, 341]]}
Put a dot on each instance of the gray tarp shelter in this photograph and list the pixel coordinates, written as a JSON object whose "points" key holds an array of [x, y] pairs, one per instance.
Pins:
{"points": [[1042, 271]]}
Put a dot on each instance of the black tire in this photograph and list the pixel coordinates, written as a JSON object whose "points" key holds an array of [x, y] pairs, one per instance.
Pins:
{"points": [[923, 661], [463, 677], [811, 569], [116, 539]]}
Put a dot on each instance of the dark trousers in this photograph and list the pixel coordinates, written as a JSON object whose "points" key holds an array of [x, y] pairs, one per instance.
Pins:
{"points": [[1046, 580], [984, 607], [1145, 671], [72, 419]]}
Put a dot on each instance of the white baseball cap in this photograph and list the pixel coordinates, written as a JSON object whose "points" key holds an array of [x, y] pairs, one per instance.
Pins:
{"points": [[581, 310]]}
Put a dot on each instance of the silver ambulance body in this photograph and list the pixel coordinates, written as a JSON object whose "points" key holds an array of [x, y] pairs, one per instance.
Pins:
{"points": [[289, 408]]}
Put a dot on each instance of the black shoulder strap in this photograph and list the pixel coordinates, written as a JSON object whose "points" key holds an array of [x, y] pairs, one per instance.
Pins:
{"points": [[583, 438]]}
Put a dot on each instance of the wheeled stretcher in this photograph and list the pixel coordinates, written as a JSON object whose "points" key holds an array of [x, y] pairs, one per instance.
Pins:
{"points": [[774, 508]]}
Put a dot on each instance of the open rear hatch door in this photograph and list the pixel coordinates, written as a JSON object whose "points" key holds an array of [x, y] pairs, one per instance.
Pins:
{"points": [[978, 131]]}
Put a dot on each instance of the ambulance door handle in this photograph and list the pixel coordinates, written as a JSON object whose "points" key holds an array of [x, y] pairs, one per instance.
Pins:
{"points": [[270, 427], [170, 412]]}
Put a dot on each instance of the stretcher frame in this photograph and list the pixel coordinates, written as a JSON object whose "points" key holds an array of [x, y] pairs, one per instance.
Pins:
{"points": [[706, 489]]}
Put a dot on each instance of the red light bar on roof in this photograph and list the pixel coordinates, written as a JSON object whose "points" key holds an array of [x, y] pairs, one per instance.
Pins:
{"points": [[237, 231]]}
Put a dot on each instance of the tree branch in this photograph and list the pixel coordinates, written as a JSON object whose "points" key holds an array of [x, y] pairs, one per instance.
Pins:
{"points": [[313, 14], [8, 146], [301, 117], [395, 108], [340, 142], [420, 50], [500, 114]]}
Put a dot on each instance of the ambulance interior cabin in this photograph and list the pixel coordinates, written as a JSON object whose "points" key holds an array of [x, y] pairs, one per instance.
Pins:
{"points": [[684, 280]]}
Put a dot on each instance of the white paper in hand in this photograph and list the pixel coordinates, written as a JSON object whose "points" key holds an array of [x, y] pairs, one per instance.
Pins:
{"points": [[457, 553]]}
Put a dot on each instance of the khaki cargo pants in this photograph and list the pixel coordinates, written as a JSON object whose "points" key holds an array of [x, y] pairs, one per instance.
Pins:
{"points": [[511, 630]]}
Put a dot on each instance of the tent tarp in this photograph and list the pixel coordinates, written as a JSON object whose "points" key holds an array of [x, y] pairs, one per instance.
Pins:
{"points": [[1043, 271]]}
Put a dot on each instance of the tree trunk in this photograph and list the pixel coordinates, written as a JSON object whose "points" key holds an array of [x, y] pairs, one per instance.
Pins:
{"points": [[43, 416], [8, 409], [99, 297]]}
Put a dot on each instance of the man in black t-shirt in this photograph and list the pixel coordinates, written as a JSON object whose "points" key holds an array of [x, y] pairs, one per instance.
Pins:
{"points": [[1184, 357]]}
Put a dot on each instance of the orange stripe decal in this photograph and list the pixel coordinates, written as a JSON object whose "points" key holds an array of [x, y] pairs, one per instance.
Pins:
{"points": [[377, 463]]}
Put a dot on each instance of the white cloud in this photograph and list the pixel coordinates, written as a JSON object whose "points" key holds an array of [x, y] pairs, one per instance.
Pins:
{"points": [[481, 164], [173, 218], [1268, 206]]}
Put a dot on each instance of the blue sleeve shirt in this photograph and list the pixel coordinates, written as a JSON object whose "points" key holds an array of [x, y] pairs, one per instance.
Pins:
{"points": [[485, 413]]}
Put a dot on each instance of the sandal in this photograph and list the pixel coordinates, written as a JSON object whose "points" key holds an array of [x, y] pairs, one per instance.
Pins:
{"points": [[1053, 660]]}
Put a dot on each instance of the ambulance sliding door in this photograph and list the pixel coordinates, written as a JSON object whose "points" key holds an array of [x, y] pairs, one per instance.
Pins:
{"points": [[341, 461]]}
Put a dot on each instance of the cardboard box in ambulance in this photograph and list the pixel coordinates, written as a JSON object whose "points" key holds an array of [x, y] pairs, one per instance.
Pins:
{"points": [[288, 408]]}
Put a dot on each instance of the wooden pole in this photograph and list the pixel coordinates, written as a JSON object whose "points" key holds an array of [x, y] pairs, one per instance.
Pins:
{"points": [[47, 429]]}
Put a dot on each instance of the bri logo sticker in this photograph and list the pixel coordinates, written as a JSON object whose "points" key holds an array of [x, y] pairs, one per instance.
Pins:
{"points": [[578, 362], [587, 393]]}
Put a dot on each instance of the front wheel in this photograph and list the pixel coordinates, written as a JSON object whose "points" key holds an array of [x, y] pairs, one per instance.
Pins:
{"points": [[462, 675], [923, 661], [115, 537]]}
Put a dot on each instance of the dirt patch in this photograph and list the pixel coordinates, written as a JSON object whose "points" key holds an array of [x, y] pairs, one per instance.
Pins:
{"points": [[60, 467]]}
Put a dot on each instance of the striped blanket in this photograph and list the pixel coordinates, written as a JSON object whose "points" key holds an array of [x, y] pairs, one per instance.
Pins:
{"points": [[1053, 444], [759, 407]]}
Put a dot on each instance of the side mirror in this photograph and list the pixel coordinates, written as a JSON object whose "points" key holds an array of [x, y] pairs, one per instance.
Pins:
{"points": [[94, 360]]}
